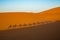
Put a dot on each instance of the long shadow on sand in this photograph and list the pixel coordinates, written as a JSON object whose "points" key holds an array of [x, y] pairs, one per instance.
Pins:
{"points": [[40, 32]]}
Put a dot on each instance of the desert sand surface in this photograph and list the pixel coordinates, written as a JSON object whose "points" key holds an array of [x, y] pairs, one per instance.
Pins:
{"points": [[49, 31], [12, 18]]}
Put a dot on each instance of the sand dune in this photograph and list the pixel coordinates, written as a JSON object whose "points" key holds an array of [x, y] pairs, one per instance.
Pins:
{"points": [[12, 18]]}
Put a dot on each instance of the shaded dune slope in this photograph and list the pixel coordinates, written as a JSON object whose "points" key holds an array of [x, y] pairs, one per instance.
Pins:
{"points": [[41, 32]]}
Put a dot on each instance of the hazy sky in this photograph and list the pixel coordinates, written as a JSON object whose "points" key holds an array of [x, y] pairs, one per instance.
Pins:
{"points": [[27, 5]]}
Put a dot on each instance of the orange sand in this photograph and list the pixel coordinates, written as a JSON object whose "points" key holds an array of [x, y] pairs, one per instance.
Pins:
{"points": [[12, 18]]}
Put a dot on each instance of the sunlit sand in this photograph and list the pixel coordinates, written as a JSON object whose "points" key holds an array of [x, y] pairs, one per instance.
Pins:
{"points": [[11, 18]]}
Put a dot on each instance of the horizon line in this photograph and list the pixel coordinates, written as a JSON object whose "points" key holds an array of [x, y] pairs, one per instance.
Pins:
{"points": [[30, 11]]}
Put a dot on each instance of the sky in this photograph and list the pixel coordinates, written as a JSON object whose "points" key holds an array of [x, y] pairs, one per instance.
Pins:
{"points": [[27, 5]]}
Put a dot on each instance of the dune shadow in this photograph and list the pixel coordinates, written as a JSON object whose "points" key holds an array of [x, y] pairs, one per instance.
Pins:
{"points": [[40, 32]]}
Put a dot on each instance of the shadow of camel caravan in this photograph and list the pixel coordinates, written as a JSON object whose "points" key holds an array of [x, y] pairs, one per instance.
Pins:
{"points": [[20, 25], [12, 26], [24, 24], [33, 23], [29, 25], [47, 22]]}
